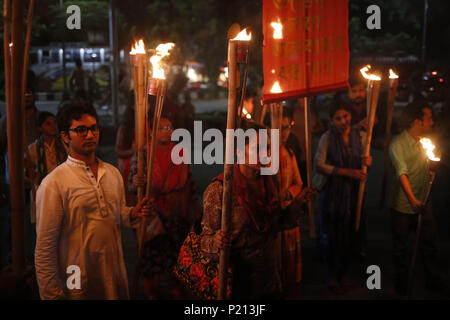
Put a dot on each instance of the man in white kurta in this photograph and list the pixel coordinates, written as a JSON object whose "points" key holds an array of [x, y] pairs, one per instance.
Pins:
{"points": [[80, 211]]}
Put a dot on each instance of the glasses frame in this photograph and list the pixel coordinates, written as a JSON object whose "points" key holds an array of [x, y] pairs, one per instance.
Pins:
{"points": [[95, 131]]}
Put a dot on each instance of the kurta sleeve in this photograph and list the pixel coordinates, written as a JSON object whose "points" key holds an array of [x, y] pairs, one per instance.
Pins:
{"points": [[212, 212], [49, 218], [321, 156]]}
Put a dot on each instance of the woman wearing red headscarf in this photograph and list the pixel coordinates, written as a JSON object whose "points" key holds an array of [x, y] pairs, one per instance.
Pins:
{"points": [[255, 220], [176, 206]]}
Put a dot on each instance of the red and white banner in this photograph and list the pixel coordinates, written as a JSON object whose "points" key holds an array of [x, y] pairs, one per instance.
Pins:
{"points": [[309, 53]]}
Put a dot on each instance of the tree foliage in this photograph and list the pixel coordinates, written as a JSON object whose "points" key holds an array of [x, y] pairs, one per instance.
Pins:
{"points": [[199, 27], [401, 26]]}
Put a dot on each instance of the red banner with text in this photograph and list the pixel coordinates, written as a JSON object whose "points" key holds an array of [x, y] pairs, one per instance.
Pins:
{"points": [[305, 49]]}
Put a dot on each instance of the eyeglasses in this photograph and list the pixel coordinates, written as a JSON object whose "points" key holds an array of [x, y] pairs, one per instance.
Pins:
{"points": [[168, 128], [82, 131]]}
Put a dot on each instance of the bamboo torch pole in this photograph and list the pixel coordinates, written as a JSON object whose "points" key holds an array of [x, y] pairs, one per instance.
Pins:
{"points": [[373, 88], [228, 168], [159, 78], [263, 113], [142, 93], [27, 49], [432, 164], [160, 96], [139, 69], [161, 88], [393, 85], [31, 173], [7, 49], [15, 123], [276, 112], [138, 63], [133, 67], [240, 40], [312, 225]]}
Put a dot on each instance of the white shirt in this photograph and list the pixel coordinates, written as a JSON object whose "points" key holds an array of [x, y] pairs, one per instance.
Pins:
{"points": [[78, 224]]}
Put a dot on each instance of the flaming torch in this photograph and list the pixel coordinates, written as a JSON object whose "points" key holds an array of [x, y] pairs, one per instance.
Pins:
{"points": [[157, 85], [393, 85], [432, 164], [276, 118], [159, 81], [373, 90], [276, 109], [139, 69], [312, 225], [237, 52]]}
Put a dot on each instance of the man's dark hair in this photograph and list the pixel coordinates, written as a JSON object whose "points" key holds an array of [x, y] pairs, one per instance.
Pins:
{"points": [[73, 111], [42, 116], [354, 81], [414, 111], [78, 62]]}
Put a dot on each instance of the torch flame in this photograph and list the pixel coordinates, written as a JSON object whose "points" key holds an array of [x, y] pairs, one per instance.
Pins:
{"points": [[429, 147], [392, 74], [162, 50], [369, 76], [276, 88], [277, 29], [138, 48], [243, 36]]}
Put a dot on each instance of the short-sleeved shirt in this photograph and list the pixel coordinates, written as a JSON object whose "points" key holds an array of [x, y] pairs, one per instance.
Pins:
{"points": [[409, 158]]}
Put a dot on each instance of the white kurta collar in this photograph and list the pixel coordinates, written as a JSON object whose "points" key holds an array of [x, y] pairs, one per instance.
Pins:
{"points": [[76, 162], [81, 164]]}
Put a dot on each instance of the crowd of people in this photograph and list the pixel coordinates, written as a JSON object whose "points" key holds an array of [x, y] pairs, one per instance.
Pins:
{"points": [[80, 203]]}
